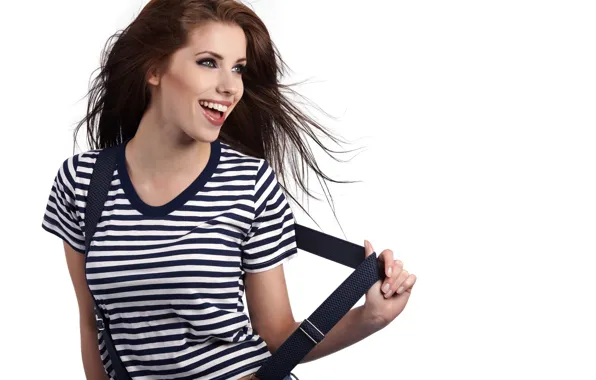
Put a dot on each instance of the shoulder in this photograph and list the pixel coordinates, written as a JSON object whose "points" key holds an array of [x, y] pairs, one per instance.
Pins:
{"points": [[233, 158], [258, 173], [76, 167]]}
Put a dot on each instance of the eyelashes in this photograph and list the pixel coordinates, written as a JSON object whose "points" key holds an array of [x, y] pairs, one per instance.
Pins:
{"points": [[210, 62]]}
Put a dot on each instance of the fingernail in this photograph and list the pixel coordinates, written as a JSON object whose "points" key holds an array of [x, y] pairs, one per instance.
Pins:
{"points": [[400, 290], [386, 288], [389, 272]]}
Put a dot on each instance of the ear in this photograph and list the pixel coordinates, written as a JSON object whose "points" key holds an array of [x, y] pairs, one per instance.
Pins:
{"points": [[153, 75]]}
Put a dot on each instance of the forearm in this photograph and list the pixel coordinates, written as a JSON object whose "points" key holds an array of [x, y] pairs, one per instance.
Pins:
{"points": [[352, 328], [90, 354]]}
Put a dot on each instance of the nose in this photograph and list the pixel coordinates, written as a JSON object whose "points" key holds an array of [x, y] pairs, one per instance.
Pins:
{"points": [[229, 83]]}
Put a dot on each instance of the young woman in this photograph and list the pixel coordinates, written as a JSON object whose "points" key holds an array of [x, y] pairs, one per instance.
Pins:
{"points": [[195, 217]]}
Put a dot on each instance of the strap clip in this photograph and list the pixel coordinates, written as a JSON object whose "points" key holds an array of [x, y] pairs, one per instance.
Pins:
{"points": [[99, 322], [311, 331]]}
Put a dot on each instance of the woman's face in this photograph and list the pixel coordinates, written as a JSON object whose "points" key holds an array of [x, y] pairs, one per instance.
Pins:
{"points": [[206, 73]]}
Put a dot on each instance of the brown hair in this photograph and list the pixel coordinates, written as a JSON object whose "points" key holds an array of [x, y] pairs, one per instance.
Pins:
{"points": [[266, 123]]}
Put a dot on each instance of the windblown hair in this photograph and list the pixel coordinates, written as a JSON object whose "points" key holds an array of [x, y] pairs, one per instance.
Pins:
{"points": [[266, 123]]}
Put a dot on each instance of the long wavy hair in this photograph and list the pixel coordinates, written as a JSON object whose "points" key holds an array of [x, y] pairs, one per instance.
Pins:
{"points": [[266, 123]]}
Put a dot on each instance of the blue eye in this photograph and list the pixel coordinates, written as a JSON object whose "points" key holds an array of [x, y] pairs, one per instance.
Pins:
{"points": [[210, 62]]}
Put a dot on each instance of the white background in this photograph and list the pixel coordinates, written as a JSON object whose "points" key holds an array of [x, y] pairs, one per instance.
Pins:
{"points": [[479, 124]]}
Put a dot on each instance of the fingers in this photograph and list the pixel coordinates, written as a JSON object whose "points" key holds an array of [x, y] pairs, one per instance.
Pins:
{"points": [[368, 249], [397, 280], [386, 261], [407, 285], [394, 281], [386, 258], [399, 283], [393, 268], [398, 286]]}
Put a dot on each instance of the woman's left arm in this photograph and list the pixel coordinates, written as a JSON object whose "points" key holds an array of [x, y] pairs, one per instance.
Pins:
{"points": [[273, 320]]}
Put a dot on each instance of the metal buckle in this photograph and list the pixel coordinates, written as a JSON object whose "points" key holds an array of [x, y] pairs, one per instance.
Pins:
{"points": [[99, 323], [308, 335]]}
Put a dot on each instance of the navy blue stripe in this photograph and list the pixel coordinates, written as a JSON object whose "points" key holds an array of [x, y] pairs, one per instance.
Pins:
{"points": [[145, 308], [138, 277], [165, 264], [149, 246], [182, 285], [160, 317], [165, 327]]}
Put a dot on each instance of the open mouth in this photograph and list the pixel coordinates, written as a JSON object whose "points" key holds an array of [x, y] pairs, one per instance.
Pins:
{"points": [[214, 110]]}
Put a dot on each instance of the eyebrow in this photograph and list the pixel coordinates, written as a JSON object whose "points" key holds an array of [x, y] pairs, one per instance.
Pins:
{"points": [[219, 56]]}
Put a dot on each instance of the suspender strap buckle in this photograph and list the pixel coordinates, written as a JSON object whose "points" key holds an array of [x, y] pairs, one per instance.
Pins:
{"points": [[311, 331], [99, 322]]}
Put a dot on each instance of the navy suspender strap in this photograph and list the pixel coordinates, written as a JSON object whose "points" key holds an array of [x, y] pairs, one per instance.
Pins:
{"points": [[314, 328], [99, 185], [310, 332]]}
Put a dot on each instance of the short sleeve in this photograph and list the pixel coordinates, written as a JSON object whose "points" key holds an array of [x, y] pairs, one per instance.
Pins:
{"points": [[61, 217], [271, 239]]}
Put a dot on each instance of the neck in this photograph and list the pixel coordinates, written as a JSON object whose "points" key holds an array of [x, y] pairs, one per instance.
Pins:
{"points": [[162, 150]]}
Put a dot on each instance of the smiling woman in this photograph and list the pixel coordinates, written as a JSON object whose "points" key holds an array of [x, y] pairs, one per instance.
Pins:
{"points": [[189, 98], [197, 80], [213, 52]]}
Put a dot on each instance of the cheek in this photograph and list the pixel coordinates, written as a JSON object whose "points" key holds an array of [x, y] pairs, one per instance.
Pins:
{"points": [[240, 93], [237, 99], [179, 96], [178, 87]]}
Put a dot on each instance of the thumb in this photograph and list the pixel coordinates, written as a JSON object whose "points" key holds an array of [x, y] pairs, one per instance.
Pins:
{"points": [[368, 248]]}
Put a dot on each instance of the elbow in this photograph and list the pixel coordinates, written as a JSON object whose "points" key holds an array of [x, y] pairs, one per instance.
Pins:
{"points": [[274, 337]]}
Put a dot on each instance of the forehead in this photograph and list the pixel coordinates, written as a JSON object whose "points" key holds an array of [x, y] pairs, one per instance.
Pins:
{"points": [[227, 40]]}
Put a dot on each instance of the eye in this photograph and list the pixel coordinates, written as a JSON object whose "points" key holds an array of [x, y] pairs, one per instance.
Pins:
{"points": [[241, 69], [210, 62], [203, 62]]}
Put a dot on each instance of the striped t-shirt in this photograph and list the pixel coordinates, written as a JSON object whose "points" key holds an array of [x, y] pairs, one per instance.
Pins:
{"points": [[170, 278]]}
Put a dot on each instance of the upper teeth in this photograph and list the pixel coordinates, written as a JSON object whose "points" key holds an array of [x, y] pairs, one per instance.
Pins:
{"points": [[215, 106]]}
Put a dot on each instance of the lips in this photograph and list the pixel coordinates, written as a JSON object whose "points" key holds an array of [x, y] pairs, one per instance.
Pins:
{"points": [[215, 117]]}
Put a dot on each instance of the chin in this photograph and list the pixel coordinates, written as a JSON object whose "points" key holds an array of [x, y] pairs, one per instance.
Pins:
{"points": [[204, 135]]}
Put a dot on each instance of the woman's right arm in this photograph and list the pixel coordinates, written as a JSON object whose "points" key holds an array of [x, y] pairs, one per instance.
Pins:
{"points": [[89, 350]]}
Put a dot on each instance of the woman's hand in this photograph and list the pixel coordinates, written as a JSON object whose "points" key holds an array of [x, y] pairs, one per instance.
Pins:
{"points": [[386, 299]]}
